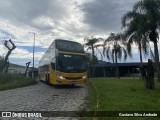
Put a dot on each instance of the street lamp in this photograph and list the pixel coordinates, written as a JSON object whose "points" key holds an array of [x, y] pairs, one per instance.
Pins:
{"points": [[33, 53]]}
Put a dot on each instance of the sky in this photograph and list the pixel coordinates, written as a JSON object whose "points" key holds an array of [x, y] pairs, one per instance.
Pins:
{"points": [[58, 19]]}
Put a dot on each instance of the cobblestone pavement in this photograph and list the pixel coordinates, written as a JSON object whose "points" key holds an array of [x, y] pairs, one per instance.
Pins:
{"points": [[42, 97]]}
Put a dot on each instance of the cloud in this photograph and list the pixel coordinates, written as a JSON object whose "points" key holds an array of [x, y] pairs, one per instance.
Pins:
{"points": [[105, 15], [49, 19], [20, 55], [24, 11], [3, 50], [56, 19]]}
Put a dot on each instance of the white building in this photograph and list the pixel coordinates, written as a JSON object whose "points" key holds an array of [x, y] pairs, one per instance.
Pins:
{"points": [[16, 69]]}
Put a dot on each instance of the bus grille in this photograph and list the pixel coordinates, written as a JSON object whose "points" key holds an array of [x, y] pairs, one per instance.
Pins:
{"points": [[75, 78]]}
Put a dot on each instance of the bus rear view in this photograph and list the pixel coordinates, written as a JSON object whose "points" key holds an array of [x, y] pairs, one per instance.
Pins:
{"points": [[63, 63]]}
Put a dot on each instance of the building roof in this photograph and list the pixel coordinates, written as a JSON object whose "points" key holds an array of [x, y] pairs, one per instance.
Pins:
{"points": [[119, 64]]}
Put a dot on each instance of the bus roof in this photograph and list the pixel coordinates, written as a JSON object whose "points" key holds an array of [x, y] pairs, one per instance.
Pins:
{"points": [[68, 46]]}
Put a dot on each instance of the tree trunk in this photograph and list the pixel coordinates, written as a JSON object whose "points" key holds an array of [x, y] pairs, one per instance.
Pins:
{"points": [[27, 66], [114, 68], [93, 69], [140, 54], [6, 67], [9, 52], [157, 59], [92, 54], [150, 75], [117, 70], [141, 63], [5, 61]]}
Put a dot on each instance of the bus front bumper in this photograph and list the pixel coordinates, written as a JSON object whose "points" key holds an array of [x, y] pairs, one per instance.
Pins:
{"points": [[66, 81], [70, 78]]}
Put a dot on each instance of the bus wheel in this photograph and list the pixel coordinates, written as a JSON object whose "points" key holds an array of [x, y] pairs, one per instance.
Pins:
{"points": [[47, 80]]}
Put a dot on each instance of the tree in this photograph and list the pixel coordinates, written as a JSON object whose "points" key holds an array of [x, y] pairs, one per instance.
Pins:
{"points": [[27, 66], [10, 49], [150, 9], [1, 60], [89, 63], [92, 44], [115, 47], [134, 32]]}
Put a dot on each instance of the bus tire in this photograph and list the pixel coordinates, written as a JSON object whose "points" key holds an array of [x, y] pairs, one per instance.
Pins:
{"points": [[47, 79]]}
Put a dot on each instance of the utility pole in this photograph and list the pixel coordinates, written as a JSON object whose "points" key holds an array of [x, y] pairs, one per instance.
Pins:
{"points": [[33, 53]]}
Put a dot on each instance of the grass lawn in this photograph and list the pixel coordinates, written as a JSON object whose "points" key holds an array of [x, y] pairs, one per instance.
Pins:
{"points": [[125, 94], [8, 81]]}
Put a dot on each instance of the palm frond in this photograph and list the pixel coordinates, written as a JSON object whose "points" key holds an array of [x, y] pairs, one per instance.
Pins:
{"points": [[98, 45], [152, 55], [104, 49], [145, 46], [92, 44], [114, 46], [119, 52], [125, 54], [113, 55], [127, 18], [100, 53], [108, 53], [129, 49], [138, 6], [89, 48]]}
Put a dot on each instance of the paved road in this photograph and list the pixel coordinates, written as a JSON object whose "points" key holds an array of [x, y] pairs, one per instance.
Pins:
{"points": [[42, 97]]}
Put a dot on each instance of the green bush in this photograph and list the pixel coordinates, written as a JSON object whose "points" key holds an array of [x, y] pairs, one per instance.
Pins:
{"points": [[10, 81]]}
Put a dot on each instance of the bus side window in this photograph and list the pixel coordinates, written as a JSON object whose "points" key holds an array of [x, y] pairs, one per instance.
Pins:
{"points": [[53, 66], [45, 68]]}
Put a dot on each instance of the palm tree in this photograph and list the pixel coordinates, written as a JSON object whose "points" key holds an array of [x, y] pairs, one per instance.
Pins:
{"points": [[134, 32], [115, 47], [142, 43], [150, 9], [92, 44]]}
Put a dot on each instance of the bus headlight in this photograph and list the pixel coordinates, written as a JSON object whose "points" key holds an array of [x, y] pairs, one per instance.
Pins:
{"points": [[84, 77], [61, 77]]}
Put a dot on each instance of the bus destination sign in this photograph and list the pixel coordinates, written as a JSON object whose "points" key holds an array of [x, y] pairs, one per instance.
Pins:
{"points": [[69, 46]]}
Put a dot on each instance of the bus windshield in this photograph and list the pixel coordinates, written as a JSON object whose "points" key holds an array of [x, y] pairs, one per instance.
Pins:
{"points": [[71, 63]]}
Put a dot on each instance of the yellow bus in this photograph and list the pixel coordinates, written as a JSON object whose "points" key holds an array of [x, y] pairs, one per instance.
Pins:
{"points": [[64, 62]]}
